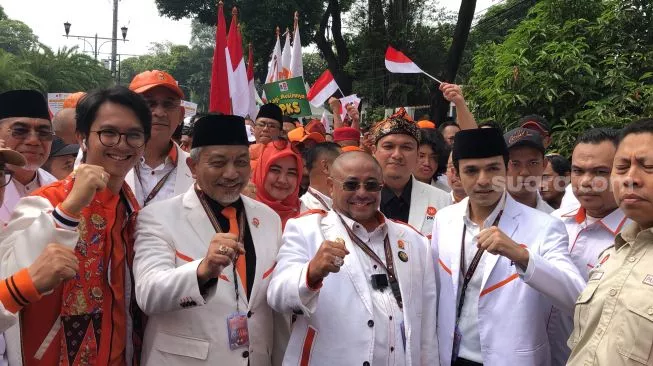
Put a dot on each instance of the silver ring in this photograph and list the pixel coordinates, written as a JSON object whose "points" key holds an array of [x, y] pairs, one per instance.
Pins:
{"points": [[224, 250], [338, 262]]}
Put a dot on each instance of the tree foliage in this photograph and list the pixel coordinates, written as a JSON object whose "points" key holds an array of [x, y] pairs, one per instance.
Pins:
{"points": [[581, 64]]}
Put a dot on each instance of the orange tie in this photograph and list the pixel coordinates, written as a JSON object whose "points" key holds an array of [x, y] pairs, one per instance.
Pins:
{"points": [[241, 267]]}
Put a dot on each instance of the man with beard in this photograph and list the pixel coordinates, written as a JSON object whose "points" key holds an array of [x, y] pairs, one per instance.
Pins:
{"points": [[592, 224], [525, 168], [25, 127], [404, 198], [363, 286], [501, 265], [162, 172], [203, 261]]}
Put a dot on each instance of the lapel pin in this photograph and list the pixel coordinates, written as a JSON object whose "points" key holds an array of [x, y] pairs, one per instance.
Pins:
{"points": [[430, 211], [255, 222], [401, 244], [340, 241], [403, 256]]}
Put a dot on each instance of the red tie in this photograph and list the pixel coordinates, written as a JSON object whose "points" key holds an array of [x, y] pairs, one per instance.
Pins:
{"points": [[241, 267]]}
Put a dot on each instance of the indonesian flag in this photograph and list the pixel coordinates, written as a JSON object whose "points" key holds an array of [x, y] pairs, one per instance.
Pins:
{"points": [[219, 93], [325, 122], [252, 109], [323, 88], [285, 58], [274, 67], [296, 64], [350, 99], [238, 85], [397, 62]]}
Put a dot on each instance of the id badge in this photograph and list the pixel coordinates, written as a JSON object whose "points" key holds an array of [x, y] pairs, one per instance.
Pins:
{"points": [[237, 331], [457, 337]]}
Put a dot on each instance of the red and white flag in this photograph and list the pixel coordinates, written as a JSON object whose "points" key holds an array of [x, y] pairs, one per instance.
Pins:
{"points": [[219, 92], [344, 102], [252, 109], [238, 86], [323, 88], [296, 64], [397, 62]]}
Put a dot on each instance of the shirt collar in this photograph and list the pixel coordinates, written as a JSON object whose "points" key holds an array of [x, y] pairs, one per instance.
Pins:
{"points": [[633, 236], [317, 193], [613, 222], [493, 215], [352, 223], [387, 194], [172, 157]]}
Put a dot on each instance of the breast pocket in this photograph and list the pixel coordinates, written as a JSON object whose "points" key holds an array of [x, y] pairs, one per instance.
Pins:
{"points": [[635, 330], [182, 346], [581, 311]]}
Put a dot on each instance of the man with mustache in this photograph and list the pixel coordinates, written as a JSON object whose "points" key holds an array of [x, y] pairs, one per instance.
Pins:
{"points": [[501, 265], [592, 224], [404, 198], [203, 261], [25, 127], [162, 172], [525, 168], [613, 319], [362, 286]]}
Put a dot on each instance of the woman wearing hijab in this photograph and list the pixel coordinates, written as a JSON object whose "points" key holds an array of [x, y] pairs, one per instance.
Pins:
{"points": [[277, 178]]}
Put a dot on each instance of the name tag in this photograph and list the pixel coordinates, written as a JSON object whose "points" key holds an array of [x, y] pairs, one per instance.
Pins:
{"points": [[596, 276], [648, 280]]}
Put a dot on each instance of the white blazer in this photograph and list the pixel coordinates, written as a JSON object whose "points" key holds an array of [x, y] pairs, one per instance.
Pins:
{"points": [[185, 328], [514, 306], [308, 201], [338, 317], [183, 177], [425, 202], [12, 196]]}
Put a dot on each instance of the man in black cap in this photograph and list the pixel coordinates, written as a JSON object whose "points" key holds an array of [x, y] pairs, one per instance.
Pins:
{"points": [[62, 158], [25, 127], [539, 124], [501, 265], [203, 260], [526, 167], [267, 126]]}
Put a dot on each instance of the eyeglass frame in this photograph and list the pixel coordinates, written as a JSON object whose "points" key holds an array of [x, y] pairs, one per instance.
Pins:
{"points": [[44, 136], [120, 135], [269, 125], [358, 186], [5, 174]]}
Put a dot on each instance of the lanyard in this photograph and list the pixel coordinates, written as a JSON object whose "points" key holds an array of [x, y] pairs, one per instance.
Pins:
{"points": [[319, 199], [390, 268], [158, 185], [218, 229], [472, 266]]}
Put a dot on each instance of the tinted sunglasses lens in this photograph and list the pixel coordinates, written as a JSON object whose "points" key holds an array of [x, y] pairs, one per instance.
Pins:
{"points": [[372, 186], [350, 186]]}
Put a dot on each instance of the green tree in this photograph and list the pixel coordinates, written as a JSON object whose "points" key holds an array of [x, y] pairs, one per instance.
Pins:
{"points": [[13, 74], [582, 65], [16, 36]]}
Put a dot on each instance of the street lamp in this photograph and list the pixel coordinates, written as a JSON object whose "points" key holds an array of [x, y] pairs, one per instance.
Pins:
{"points": [[66, 26], [124, 32]]}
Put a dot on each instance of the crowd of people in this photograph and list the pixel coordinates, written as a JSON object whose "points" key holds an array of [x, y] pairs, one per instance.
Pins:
{"points": [[131, 237]]}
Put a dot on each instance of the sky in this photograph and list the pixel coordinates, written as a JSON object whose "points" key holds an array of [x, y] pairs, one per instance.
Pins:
{"points": [[88, 17]]}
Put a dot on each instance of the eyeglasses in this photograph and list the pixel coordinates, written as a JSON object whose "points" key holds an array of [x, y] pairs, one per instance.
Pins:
{"points": [[354, 185], [269, 125], [281, 143], [22, 133], [5, 178], [167, 105], [111, 138]]}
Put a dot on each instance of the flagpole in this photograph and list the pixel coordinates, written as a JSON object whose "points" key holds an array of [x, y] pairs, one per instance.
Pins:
{"points": [[432, 77]]}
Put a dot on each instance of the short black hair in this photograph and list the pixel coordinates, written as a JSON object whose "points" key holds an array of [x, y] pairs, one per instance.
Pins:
{"points": [[492, 124], [559, 164], [598, 135], [311, 155], [88, 106], [434, 138], [446, 124], [644, 125]]}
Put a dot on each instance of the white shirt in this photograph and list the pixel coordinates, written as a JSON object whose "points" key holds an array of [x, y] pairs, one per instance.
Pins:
{"points": [[470, 344], [24, 190], [441, 182], [310, 201], [542, 205], [149, 177]]}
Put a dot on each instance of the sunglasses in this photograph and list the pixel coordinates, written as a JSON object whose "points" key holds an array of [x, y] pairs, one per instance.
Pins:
{"points": [[281, 143], [354, 185], [22, 133]]}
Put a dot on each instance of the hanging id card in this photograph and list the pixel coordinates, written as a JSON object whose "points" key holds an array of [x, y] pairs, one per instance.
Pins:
{"points": [[237, 331]]}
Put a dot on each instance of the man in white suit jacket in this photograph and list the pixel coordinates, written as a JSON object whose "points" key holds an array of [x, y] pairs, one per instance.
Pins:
{"points": [[189, 279], [318, 160], [494, 311], [404, 198], [367, 311]]}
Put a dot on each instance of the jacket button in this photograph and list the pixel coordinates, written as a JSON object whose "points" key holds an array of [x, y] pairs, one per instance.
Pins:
{"points": [[249, 314], [245, 354], [370, 323], [366, 363]]}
